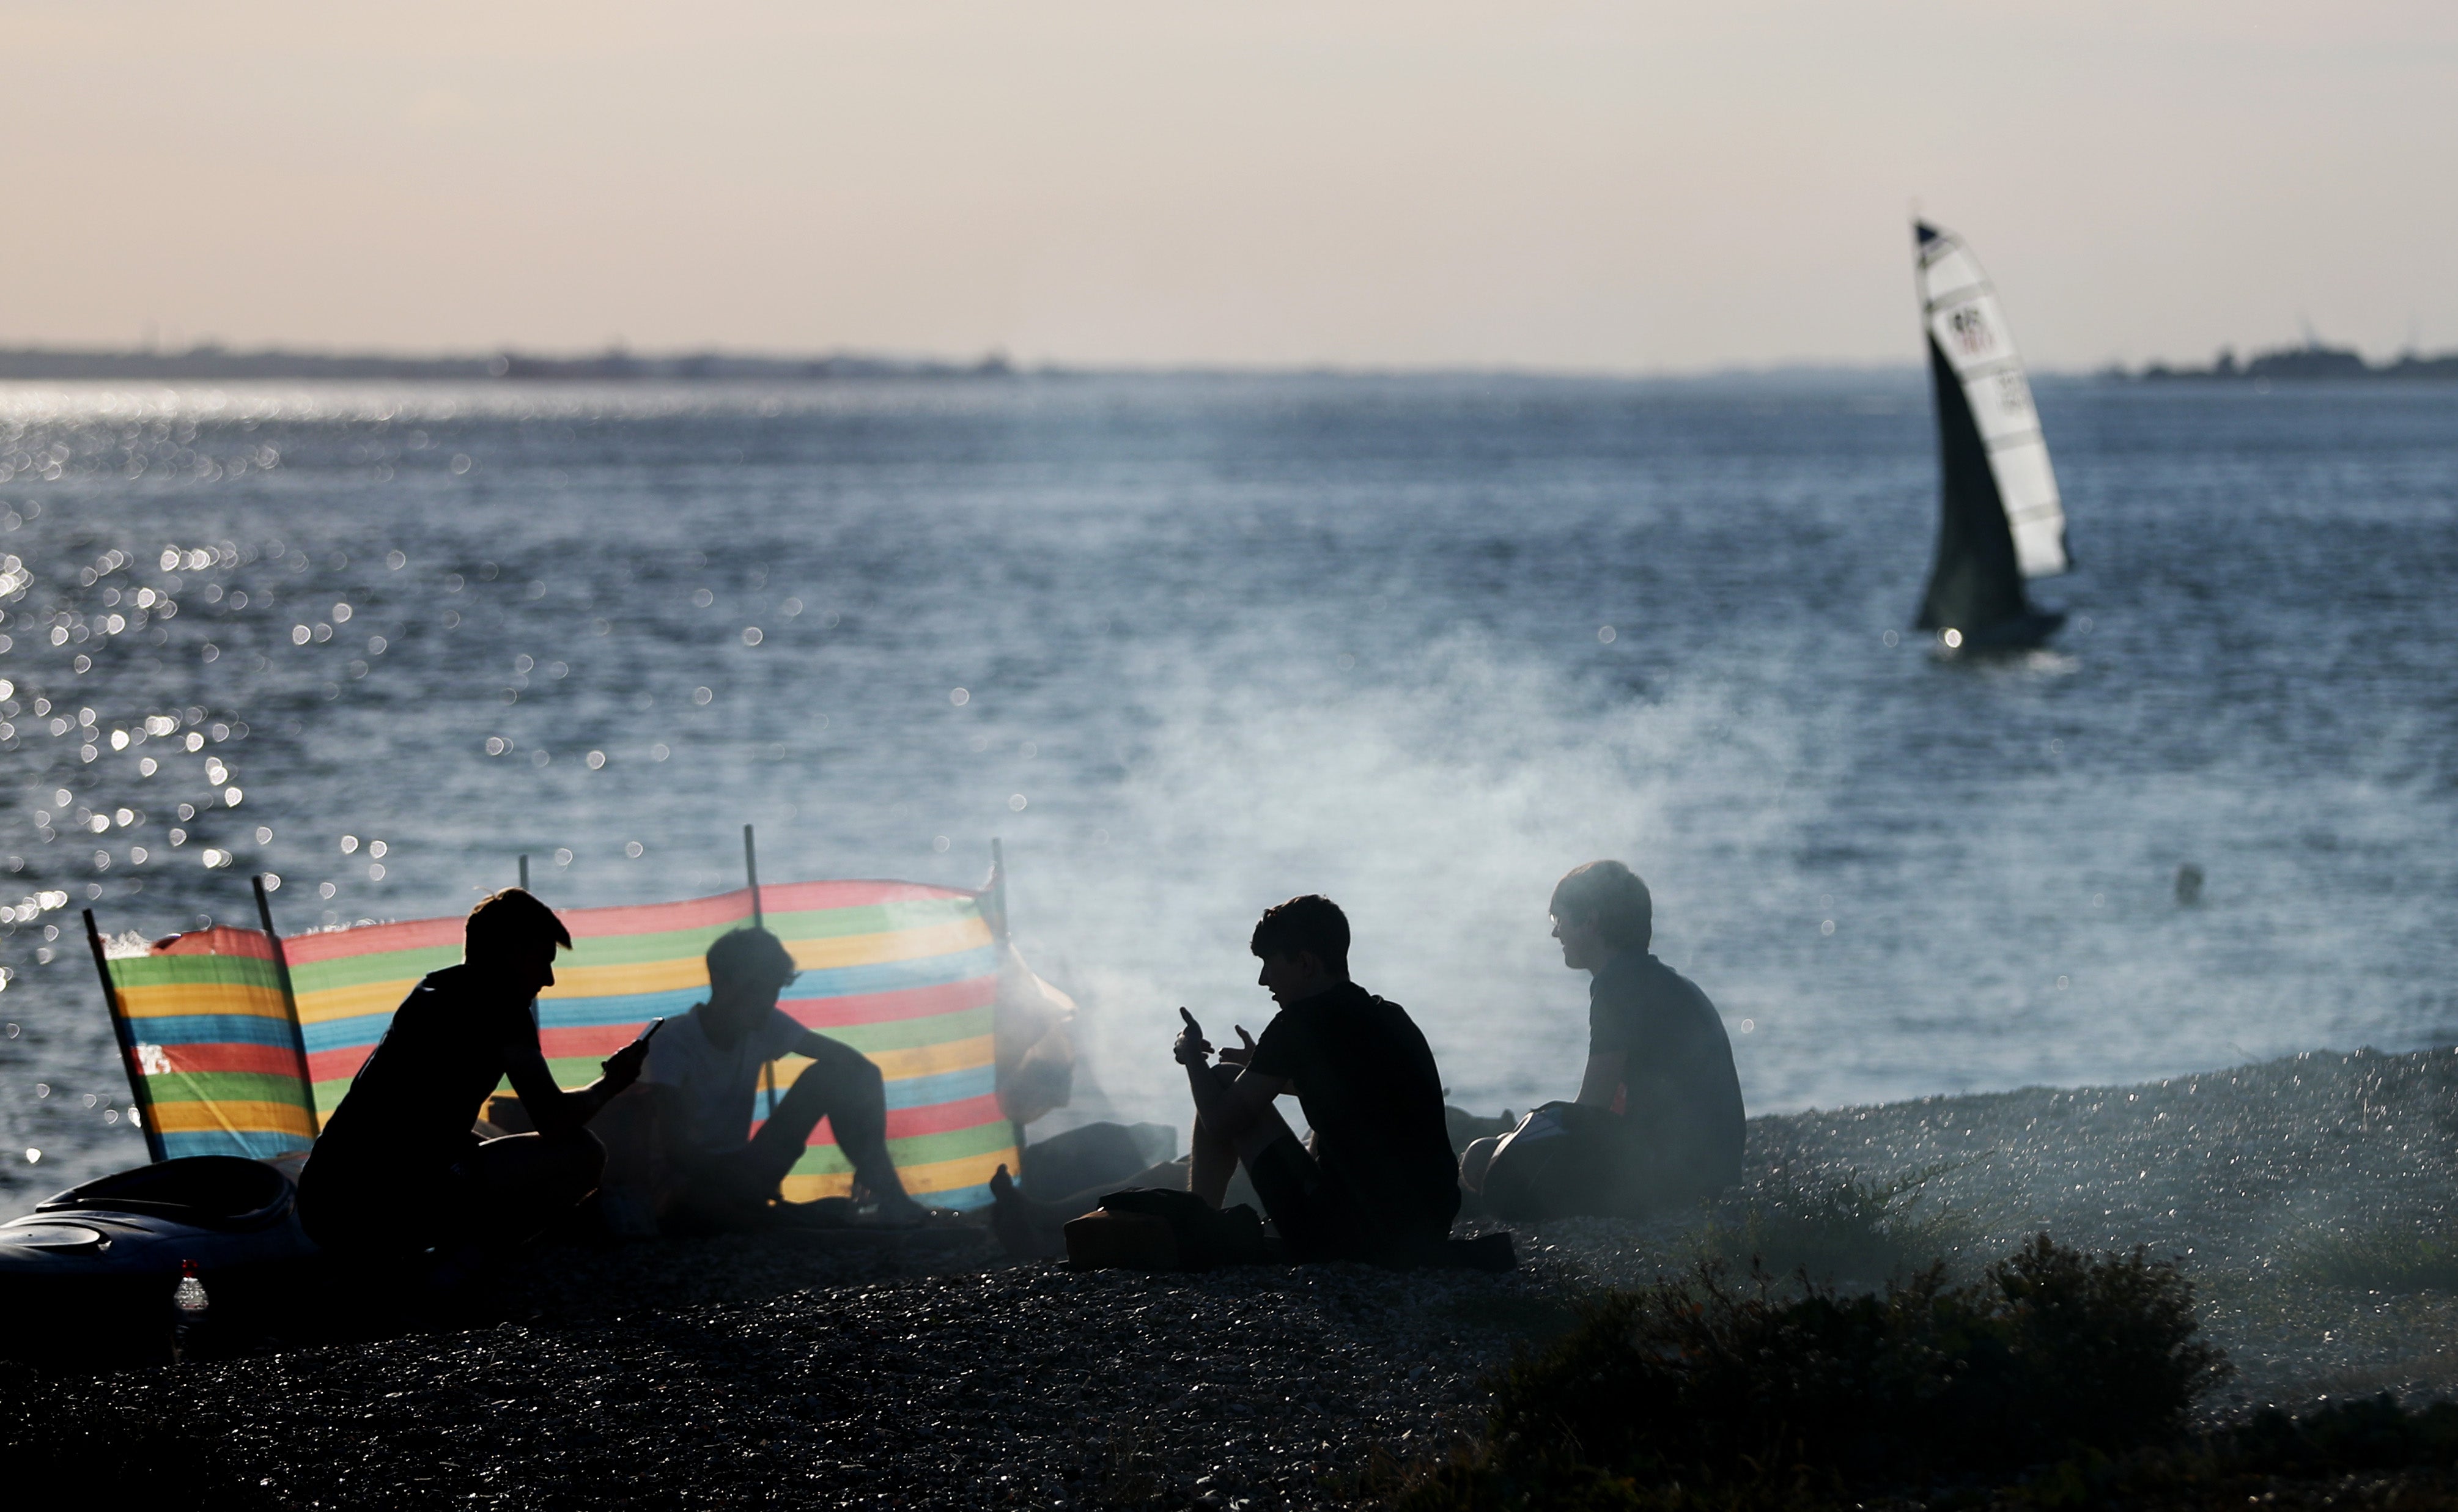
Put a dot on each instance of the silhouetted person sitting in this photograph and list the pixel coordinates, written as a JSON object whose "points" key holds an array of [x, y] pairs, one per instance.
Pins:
{"points": [[399, 1169], [1380, 1183], [1658, 1121], [700, 1086]]}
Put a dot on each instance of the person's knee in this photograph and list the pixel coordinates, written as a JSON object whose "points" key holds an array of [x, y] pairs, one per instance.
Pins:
{"points": [[1226, 1075], [839, 1057], [844, 1070]]}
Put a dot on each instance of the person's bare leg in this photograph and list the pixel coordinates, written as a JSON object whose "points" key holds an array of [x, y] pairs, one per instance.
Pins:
{"points": [[844, 1087], [1025, 1229], [1212, 1156], [1216, 1159]]}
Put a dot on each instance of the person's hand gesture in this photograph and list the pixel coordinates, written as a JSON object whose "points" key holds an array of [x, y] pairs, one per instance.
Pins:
{"points": [[622, 1068], [1192, 1047], [1244, 1052]]}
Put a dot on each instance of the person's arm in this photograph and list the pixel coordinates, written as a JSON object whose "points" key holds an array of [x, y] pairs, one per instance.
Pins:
{"points": [[816, 1045], [1229, 1108], [1615, 1028], [1601, 1082], [554, 1110]]}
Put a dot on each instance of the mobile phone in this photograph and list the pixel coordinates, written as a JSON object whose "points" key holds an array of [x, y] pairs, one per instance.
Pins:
{"points": [[651, 1032]]}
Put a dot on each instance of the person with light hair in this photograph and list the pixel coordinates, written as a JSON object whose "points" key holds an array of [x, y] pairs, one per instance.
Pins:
{"points": [[1658, 1122]]}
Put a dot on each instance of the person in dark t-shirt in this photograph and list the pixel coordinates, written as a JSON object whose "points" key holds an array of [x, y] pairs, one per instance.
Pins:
{"points": [[1658, 1122], [399, 1167], [1378, 1183]]}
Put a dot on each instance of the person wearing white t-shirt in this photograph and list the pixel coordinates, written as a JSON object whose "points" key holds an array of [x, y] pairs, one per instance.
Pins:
{"points": [[703, 1078]]}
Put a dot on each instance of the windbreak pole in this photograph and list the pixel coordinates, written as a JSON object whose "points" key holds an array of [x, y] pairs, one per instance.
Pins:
{"points": [[126, 1035], [751, 872], [994, 893], [525, 871], [758, 921], [993, 897], [282, 974]]}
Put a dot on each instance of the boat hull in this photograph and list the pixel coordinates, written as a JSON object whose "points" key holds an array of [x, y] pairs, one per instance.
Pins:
{"points": [[2027, 630], [90, 1272]]}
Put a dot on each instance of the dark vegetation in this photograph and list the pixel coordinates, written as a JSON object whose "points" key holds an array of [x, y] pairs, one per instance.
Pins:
{"points": [[2057, 1381], [1849, 1229], [2373, 1454], [2312, 363], [2385, 1257], [1718, 1390]]}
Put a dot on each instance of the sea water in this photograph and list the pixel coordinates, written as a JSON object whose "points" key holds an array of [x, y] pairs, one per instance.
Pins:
{"points": [[1192, 645]]}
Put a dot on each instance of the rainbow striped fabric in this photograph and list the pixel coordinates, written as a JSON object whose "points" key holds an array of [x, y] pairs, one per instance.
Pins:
{"points": [[211, 1045], [907, 973]]}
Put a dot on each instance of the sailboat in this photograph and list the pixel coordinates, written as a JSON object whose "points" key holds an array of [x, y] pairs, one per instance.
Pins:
{"points": [[2002, 522]]}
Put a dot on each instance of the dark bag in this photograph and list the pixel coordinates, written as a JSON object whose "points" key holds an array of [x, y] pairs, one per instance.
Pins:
{"points": [[1206, 1238]]}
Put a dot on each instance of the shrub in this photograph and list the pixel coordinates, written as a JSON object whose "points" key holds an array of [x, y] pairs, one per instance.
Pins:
{"points": [[2106, 1344], [2391, 1258], [1699, 1393], [2370, 1434], [1847, 1230], [2374, 1453]]}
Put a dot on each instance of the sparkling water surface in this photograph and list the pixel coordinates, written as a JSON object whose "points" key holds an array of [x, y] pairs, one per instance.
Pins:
{"points": [[1191, 644]]}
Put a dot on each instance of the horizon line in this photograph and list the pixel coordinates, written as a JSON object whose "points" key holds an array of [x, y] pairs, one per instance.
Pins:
{"points": [[275, 362]]}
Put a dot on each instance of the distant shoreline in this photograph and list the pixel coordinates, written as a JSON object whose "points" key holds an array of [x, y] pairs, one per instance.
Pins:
{"points": [[216, 363], [2311, 362]]}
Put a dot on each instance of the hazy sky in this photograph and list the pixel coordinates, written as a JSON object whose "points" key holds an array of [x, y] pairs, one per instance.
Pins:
{"points": [[1633, 187]]}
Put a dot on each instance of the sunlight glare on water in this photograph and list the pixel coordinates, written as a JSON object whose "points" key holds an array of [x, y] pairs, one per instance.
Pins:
{"points": [[1190, 646]]}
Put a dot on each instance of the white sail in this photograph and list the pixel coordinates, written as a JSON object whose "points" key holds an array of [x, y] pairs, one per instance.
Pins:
{"points": [[1961, 308]]}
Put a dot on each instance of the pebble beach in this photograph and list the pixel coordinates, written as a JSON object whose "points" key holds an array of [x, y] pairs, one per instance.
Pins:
{"points": [[841, 1370]]}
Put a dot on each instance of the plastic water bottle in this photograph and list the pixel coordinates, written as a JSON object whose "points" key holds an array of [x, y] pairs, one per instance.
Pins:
{"points": [[191, 1307]]}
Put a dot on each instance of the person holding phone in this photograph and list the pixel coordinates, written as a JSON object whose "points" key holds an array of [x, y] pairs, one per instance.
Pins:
{"points": [[1380, 1183], [399, 1167], [703, 1167]]}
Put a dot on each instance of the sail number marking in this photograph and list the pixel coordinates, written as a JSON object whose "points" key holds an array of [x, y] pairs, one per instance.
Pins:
{"points": [[1971, 330]]}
